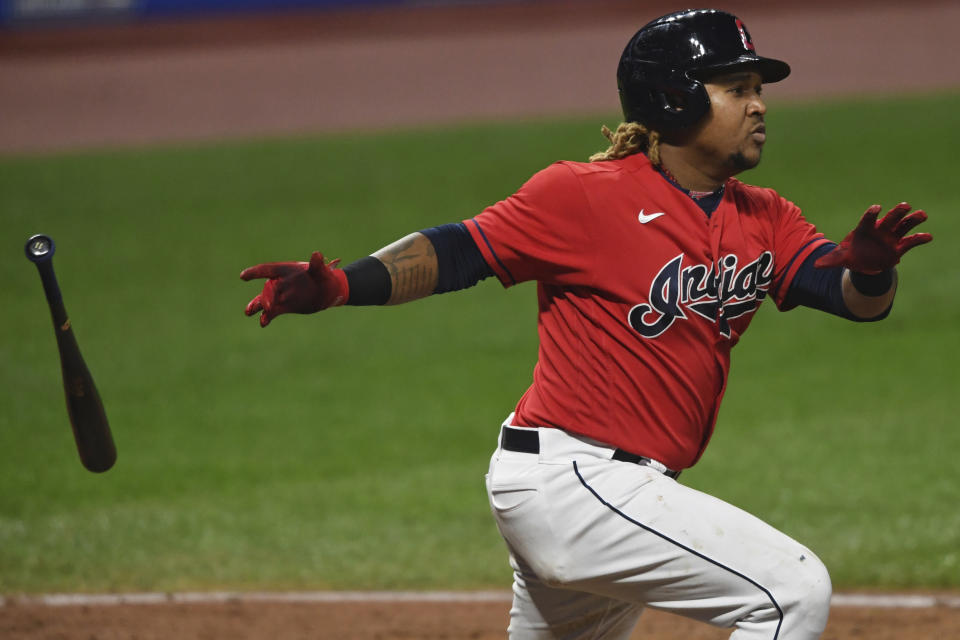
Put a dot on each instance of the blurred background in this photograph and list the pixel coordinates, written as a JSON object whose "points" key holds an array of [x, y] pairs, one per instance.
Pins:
{"points": [[166, 145], [94, 73]]}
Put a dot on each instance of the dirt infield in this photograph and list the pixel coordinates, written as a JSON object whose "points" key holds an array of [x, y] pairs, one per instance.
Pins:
{"points": [[400, 621]]}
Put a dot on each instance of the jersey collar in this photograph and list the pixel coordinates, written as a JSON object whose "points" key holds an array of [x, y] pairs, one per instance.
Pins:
{"points": [[708, 201]]}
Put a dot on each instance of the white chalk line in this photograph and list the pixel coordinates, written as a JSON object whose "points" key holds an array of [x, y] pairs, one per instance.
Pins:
{"points": [[872, 600]]}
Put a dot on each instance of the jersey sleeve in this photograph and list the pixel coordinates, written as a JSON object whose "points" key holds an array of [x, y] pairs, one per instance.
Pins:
{"points": [[539, 233], [794, 239]]}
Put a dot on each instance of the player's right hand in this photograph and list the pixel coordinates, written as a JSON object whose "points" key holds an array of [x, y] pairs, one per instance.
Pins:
{"points": [[296, 287]]}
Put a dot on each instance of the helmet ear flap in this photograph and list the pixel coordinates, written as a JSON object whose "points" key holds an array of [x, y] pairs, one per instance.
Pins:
{"points": [[684, 102], [659, 98]]}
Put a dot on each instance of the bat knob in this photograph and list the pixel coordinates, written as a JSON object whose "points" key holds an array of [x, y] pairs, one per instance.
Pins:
{"points": [[40, 248]]}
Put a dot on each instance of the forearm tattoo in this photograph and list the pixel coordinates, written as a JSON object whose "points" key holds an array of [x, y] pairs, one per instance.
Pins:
{"points": [[412, 263]]}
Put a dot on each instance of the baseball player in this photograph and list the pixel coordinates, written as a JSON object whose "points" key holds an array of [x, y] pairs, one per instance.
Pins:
{"points": [[650, 261]]}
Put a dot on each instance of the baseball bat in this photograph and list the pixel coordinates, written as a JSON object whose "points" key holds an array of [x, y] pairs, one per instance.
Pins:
{"points": [[91, 431]]}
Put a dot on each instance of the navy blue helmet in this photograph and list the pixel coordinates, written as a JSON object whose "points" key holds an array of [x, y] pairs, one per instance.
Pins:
{"points": [[662, 69]]}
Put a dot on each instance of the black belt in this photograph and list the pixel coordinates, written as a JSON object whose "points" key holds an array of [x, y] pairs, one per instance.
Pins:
{"points": [[528, 441]]}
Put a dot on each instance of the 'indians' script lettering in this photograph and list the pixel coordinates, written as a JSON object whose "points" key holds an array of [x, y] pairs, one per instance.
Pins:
{"points": [[719, 292]]}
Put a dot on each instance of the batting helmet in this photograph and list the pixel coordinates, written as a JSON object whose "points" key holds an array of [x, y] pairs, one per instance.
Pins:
{"points": [[661, 72]]}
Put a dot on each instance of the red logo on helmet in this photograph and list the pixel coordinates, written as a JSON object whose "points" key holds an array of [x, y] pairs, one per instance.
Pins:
{"points": [[745, 37]]}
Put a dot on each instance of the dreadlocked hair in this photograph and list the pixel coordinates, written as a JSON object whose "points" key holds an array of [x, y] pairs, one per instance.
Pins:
{"points": [[629, 138]]}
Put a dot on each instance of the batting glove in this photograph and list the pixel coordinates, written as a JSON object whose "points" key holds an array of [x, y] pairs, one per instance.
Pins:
{"points": [[873, 247], [296, 287]]}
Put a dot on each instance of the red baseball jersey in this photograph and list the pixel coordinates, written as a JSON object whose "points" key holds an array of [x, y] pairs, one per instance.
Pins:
{"points": [[641, 296]]}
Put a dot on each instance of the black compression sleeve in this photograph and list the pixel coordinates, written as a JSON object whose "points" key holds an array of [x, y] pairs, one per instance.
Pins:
{"points": [[823, 288], [460, 263], [369, 282], [818, 288]]}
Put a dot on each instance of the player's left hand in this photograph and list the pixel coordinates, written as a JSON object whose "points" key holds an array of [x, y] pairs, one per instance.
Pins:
{"points": [[876, 246], [296, 287]]}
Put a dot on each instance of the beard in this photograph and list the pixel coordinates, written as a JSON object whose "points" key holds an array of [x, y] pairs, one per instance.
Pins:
{"points": [[740, 162]]}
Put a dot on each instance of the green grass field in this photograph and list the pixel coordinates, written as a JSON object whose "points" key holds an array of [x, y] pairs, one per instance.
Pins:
{"points": [[347, 449]]}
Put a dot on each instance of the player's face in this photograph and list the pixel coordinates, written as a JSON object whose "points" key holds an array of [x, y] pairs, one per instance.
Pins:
{"points": [[733, 132]]}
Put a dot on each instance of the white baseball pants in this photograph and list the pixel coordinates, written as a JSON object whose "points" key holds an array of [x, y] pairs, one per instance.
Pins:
{"points": [[593, 541]]}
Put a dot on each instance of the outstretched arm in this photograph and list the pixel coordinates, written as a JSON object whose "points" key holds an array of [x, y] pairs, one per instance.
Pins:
{"points": [[402, 271], [412, 264], [869, 254], [435, 260]]}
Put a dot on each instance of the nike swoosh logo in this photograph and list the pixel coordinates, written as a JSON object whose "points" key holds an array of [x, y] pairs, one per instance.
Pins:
{"points": [[645, 218]]}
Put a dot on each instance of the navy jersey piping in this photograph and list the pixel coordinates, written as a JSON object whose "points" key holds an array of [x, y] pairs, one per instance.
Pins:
{"points": [[494, 253], [794, 259], [765, 591]]}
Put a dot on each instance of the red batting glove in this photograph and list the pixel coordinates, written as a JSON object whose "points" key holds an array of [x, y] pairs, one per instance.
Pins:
{"points": [[296, 287], [873, 247]]}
